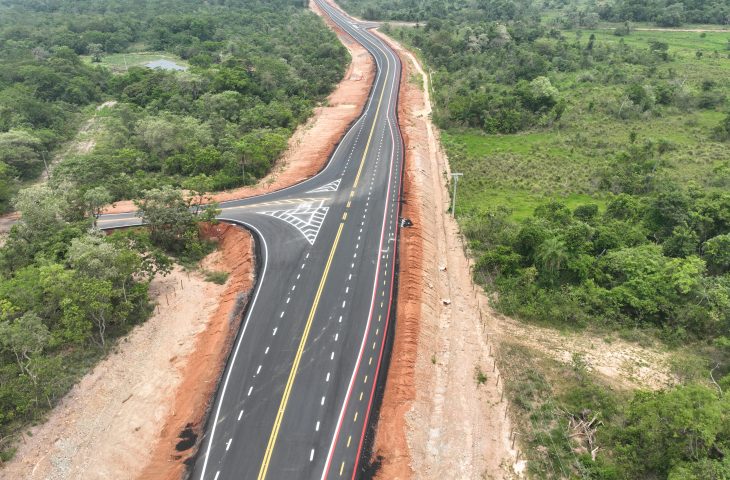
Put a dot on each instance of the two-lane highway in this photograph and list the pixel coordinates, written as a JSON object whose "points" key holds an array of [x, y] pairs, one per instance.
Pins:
{"points": [[297, 392]]}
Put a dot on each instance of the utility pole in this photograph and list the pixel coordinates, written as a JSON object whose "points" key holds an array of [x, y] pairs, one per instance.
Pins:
{"points": [[455, 178]]}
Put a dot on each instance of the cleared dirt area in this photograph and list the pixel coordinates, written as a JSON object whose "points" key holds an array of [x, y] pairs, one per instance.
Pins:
{"points": [[623, 364], [165, 368], [312, 143], [436, 420], [199, 372]]}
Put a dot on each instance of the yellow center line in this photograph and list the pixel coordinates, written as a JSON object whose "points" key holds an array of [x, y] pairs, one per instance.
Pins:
{"points": [[297, 359], [372, 129], [295, 366]]}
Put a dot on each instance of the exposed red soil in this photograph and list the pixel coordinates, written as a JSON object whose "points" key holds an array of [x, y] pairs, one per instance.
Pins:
{"points": [[107, 425], [202, 367], [309, 149], [436, 421], [312, 143], [199, 369], [391, 445]]}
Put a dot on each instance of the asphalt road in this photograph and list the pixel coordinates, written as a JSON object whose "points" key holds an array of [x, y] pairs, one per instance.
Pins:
{"points": [[298, 389]]}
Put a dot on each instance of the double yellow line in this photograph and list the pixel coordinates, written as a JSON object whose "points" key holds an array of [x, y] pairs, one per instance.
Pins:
{"points": [[295, 365]]}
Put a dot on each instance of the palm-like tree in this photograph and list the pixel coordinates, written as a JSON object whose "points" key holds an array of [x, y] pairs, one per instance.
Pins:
{"points": [[551, 255]]}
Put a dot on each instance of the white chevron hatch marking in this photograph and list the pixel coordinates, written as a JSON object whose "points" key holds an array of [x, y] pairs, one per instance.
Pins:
{"points": [[330, 187], [307, 217]]}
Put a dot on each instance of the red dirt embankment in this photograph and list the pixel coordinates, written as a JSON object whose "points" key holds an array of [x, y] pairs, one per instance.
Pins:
{"points": [[312, 143], [436, 421], [201, 368], [110, 425], [309, 150], [101, 431]]}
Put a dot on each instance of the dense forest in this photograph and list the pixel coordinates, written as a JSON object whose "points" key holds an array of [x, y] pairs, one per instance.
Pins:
{"points": [[664, 13], [422, 10], [667, 13], [67, 292], [256, 71], [595, 197], [579, 265]]}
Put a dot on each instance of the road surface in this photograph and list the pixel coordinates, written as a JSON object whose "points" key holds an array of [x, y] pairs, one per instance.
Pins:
{"points": [[297, 392]]}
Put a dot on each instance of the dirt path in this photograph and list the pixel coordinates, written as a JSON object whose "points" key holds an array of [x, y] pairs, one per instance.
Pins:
{"points": [[436, 421], [312, 143], [83, 142]]}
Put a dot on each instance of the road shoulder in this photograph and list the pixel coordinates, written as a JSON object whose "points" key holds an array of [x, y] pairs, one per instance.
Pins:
{"points": [[436, 420]]}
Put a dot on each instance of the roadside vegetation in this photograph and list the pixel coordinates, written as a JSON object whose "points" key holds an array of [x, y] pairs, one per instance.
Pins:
{"points": [[255, 70], [595, 197]]}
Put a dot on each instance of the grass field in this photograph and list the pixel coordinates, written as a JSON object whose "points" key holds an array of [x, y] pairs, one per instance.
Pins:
{"points": [[564, 161], [119, 62], [682, 43]]}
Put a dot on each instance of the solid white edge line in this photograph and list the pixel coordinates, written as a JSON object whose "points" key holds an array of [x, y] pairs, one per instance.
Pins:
{"points": [[372, 304], [263, 275], [240, 338]]}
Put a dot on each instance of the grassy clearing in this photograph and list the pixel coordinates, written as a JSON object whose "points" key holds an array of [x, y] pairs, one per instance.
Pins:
{"points": [[684, 44], [217, 277], [119, 62], [564, 162]]}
